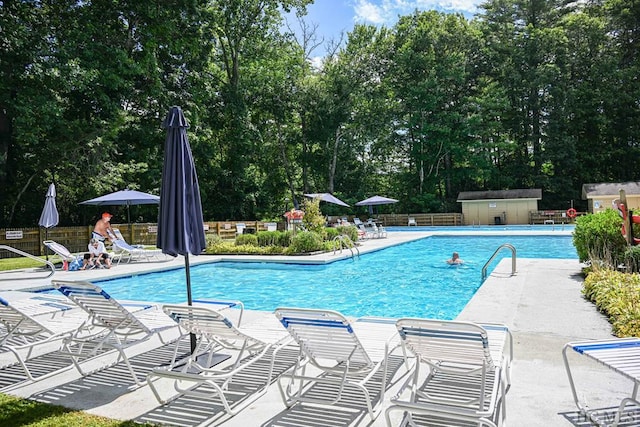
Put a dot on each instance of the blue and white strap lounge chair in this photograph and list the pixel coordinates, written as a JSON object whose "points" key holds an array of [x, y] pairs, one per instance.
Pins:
{"points": [[621, 356], [119, 328], [216, 333], [62, 251], [122, 249], [468, 372], [329, 343], [32, 323]]}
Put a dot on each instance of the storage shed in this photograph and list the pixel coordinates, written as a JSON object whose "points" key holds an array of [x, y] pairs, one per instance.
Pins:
{"points": [[601, 196], [499, 207]]}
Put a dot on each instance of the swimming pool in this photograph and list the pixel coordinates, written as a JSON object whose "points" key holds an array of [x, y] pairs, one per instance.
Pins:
{"points": [[410, 279], [494, 228]]}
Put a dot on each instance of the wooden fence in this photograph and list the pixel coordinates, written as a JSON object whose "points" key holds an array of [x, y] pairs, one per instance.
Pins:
{"points": [[551, 217], [76, 238]]}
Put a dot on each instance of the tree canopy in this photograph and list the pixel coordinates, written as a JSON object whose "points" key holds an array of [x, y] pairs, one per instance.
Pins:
{"points": [[537, 94]]}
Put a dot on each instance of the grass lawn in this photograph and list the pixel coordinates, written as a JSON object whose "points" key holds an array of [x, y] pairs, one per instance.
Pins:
{"points": [[24, 412], [24, 262]]}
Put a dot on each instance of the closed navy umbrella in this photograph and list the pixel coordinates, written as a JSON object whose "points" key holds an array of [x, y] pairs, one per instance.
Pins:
{"points": [[180, 224], [49, 216]]}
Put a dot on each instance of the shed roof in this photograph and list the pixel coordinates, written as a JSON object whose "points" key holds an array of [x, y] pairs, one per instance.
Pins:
{"points": [[610, 189], [525, 193]]}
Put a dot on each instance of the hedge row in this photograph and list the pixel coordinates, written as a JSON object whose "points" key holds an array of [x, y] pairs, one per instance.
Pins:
{"points": [[617, 295]]}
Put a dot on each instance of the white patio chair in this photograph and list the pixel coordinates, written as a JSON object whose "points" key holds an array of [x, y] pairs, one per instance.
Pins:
{"points": [[412, 221]]}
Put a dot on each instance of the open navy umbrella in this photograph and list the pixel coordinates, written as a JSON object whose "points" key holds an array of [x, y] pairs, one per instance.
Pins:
{"points": [[49, 216], [180, 224], [124, 198], [375, 200]]}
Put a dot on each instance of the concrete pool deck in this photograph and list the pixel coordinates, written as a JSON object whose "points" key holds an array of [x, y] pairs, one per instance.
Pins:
{"points": [[541, 304]]}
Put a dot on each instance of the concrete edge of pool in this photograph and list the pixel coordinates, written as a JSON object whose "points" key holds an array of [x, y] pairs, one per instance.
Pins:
{"points": [[541, 304]]}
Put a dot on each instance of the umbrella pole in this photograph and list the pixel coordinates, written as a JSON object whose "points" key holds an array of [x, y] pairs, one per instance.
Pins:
{"points": [[192, 336], [46, 248], [129, 221]]}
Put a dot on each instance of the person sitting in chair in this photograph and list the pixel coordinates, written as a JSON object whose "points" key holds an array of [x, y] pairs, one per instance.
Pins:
{"points": [[97, 256]]}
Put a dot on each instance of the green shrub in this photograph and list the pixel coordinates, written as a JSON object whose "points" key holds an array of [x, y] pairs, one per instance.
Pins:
{"points": [[313, 220], [349, 230], [284, 238], [268, 238], [331, 233], [598, 238], [305, 242], [632, 258], [230, 248], [246, 239], [618, 296]]}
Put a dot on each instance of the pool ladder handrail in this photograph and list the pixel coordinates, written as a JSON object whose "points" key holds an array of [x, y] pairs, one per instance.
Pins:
{"points": [[33, 257], [513, 259], [348, 243]]}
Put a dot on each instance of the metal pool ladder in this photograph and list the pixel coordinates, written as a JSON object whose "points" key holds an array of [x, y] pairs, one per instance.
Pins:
{"points": [[513, 259], [344, 241]]}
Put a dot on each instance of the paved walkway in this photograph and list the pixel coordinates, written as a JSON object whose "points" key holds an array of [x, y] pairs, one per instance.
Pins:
{"points": [[541, 304]]}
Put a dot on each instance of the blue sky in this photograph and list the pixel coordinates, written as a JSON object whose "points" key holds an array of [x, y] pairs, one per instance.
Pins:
{"points": [[334, 16]]}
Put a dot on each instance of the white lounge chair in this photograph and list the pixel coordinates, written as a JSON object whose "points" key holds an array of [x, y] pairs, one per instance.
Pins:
{"points": [[328, 342], [468, 372], [117, 235], [119, 328], [619, 355], [240, 226], [271, 226], [33, 323], [412, 221], [216, 333], [121, 249], [63, 252]]}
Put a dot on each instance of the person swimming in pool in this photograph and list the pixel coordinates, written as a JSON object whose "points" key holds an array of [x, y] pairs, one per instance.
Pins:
{"points": [[455, 259]]}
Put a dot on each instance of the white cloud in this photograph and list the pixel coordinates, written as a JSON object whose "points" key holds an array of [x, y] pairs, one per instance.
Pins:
{"points": [[368, 12], [385, 12]]}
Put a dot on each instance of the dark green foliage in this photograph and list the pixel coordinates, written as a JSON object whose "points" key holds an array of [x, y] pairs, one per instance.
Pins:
{"points": [[247, 239], [598, 238], [305, 242], [331, 233], [274, 238], [525, 95], [632, 258]]}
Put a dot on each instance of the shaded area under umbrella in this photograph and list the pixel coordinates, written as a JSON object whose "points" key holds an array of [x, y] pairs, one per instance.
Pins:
{"points": [[49, 217], [327, 197], [180, 223], [124, 198], [374, 201]]}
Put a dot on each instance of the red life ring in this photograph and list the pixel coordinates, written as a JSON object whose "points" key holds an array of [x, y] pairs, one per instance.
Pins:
{"points": [[572, 213]]}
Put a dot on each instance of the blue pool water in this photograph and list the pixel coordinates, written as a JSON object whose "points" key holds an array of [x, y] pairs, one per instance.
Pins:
{"points": [[411, 279]]}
